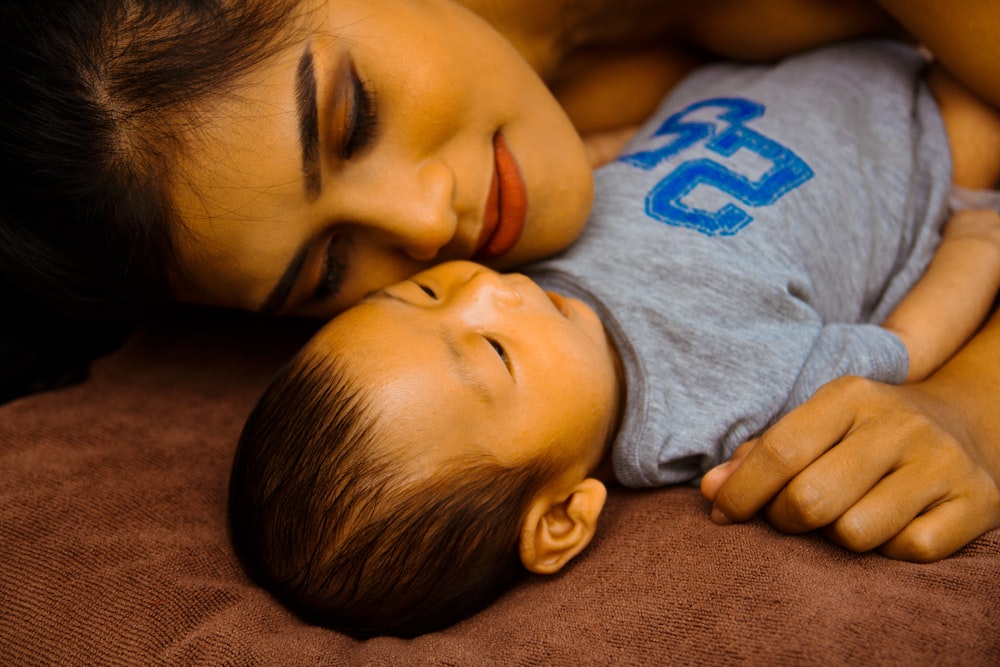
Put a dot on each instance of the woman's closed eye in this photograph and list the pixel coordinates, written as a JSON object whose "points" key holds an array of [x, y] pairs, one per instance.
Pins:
{"points": [[362, 121], [358, 132], [335, 265]]}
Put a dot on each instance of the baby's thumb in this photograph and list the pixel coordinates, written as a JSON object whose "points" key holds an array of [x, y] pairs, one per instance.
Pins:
{"points": [[713, 480]]}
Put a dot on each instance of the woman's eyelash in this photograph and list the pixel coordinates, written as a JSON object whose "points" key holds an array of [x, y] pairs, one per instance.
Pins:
{"points": [[428, 291], [363, 121], [334, 269]]}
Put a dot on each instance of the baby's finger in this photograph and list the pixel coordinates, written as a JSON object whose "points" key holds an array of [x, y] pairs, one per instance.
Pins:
{"points": [[716, 477], [784, 450]]}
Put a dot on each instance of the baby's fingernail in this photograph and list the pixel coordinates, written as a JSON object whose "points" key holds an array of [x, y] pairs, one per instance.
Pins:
{"points": [[719, 518]]}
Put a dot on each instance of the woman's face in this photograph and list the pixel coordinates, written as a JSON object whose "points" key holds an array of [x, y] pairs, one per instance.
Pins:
{"points": [[396, 134]]}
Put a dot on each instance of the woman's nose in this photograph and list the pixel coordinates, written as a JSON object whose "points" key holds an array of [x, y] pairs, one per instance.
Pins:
{"points": [[398, 205], [418, 212]]}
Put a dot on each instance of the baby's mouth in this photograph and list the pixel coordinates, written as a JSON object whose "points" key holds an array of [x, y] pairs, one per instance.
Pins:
{"points": [[559, 301]]}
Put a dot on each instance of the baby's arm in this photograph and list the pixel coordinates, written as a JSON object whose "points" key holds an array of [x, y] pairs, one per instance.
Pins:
{"points": [[954, 296], [947, 306]]}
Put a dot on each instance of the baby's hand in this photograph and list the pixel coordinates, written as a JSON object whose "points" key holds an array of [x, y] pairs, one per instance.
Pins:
{"points": [[954, 296], [713, 480]]}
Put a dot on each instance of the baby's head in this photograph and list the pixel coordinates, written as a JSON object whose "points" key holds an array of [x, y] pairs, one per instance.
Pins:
{"points": [[424, 449]]}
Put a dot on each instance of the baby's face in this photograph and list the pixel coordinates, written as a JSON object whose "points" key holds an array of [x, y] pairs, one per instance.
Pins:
{"points": [[460, 359]]}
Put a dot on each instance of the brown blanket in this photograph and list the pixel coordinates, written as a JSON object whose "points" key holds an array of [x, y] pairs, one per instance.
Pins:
{"points": [[113, 551]]}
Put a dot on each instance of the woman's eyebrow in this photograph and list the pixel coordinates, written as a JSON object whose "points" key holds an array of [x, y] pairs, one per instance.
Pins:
{"points": [[308, 114]]}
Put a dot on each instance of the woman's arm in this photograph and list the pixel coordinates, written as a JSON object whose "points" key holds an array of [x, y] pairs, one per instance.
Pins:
{"points": [[573, 43], [962, 35], [550, 31], [911, 470], [610, 62]]}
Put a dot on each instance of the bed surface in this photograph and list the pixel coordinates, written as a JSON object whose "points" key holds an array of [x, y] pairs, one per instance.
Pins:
{"points": [[114, 551]]}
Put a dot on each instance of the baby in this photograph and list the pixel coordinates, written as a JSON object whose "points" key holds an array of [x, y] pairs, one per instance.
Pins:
{"points": [[454, 430]]}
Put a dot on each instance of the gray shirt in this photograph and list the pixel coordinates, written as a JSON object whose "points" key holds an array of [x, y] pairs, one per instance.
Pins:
{"points": [[743, 250]]}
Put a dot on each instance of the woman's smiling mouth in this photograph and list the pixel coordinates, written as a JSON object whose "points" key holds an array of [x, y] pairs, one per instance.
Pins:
{"points": [[506, 205]]}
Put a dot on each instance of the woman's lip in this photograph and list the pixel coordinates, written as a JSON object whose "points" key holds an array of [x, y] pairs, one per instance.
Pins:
{"points": [[506, 205], [491, 215]]}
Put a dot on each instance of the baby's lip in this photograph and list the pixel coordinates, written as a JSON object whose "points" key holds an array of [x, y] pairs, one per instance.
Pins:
{"points": [[559, 301], [506, 205]]}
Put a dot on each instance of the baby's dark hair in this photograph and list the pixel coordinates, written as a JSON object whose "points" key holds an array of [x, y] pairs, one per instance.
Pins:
{"points": [[339, 531], [98, 98]]}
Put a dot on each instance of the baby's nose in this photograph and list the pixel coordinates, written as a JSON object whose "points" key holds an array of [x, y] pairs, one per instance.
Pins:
{"points": [[494, 287]]}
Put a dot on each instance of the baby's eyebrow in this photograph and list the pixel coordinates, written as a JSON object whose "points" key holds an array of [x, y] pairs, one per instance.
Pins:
{"points": [[463, 370], [383, 293], [466, 372]]}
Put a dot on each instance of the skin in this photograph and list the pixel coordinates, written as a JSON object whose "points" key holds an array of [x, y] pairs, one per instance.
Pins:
{"points": [[959, 35], [415, 193], [911, 470], [930, 481], [463, 361], [238, 183], [956, 293], [472, 360]]}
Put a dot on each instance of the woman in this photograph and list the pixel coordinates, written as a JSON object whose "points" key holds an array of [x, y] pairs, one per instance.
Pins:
{"points": [[290, 156]]}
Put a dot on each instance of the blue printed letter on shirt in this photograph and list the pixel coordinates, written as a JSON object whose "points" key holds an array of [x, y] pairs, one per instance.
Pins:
{"points": [[664, 201]]}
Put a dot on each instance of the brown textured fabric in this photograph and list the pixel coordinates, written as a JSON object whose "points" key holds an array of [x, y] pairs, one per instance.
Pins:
{"points": [[113, 551]]}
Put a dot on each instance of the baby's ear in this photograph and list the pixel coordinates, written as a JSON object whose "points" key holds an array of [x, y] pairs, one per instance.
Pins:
{"points": [[557, 529]]}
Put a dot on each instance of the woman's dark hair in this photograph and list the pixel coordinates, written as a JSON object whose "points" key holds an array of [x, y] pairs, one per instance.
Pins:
{"points": [[337, 530], [97, 98]]}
